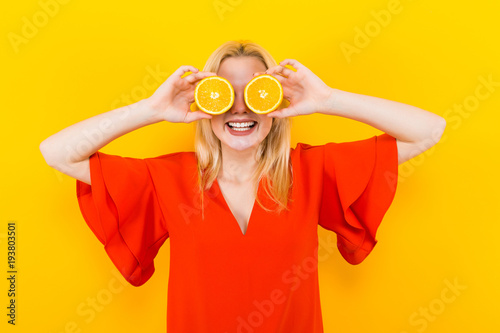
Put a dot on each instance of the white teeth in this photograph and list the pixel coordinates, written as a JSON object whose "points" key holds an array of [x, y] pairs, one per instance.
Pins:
{"points": [[246, 124], [241, 129]]}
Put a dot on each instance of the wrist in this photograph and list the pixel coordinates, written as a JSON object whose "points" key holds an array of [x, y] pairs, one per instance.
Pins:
{"points": [[151, 110], [330, 101]]}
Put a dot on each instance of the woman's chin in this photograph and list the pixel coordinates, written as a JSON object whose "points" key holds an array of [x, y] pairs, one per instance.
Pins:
{"points": [[240, 144]]}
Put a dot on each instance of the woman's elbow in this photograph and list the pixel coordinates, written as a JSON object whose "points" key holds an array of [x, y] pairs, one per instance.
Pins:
{"points": [[48, 154], [438, 129]]}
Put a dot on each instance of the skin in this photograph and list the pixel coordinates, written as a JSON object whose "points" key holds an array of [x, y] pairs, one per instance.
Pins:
{"points": [[238, 152], [415, 130]]}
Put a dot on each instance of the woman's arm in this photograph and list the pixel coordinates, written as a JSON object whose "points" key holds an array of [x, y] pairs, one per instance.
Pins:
{"points": [[69, 150], [416, 130]]}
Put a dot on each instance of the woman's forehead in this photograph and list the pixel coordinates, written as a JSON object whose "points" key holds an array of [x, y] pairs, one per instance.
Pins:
{"points": [[240, 68]]}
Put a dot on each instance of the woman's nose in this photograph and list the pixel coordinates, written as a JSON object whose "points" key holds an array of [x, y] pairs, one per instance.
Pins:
{"points": [[239, 105]]}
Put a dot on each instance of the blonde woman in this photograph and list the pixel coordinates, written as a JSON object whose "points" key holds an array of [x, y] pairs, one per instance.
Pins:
{"points": [[242, 210]]}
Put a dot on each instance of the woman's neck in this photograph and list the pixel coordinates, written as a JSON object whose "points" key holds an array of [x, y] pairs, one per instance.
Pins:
{"points": [[237, 166]]}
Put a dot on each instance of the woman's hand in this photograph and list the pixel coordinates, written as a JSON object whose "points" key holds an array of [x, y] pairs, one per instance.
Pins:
{"points": [[173, 98], [306, 92]]}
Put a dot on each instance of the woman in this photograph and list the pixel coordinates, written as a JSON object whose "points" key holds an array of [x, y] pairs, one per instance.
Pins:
{"points": [[241, 211]]}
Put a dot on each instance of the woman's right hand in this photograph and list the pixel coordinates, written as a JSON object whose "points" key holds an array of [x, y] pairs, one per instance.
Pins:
{"points": [[173, 98]]}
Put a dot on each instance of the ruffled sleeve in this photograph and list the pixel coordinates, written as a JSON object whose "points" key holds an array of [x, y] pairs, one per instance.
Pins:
{"points": [[359, 184], [122, 210]]}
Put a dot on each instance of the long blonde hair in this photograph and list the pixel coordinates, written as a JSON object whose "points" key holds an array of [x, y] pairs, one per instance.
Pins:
{"points": [[273, 152]]}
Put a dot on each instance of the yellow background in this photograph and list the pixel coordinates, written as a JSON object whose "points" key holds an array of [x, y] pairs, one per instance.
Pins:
{"points": [[88, 56]]}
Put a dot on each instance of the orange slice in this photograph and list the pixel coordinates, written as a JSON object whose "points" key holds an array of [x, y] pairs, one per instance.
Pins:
{"points": [[214, 95], [263, 94]]}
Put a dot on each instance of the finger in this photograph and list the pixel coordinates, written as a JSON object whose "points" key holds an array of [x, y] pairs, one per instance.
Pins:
{"points": [[258, 73], [184, 69], [196, 115], [280, 70], [271, 69], [198, 76], [278, 77], [281, 113], [292, 62]]}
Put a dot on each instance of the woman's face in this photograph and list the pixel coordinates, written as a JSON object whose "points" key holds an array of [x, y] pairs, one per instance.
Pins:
{"points": [[239, 71]]}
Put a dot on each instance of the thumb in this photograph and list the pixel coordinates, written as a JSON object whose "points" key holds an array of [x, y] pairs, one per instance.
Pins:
{"points": [[196, 115], [281, 113]]}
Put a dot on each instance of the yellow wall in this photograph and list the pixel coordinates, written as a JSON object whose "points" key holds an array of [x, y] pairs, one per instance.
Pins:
{"points": [[82, 58]]}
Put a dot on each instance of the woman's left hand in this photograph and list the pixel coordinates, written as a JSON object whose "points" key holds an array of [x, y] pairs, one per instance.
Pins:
{"points": [[306, 92]]}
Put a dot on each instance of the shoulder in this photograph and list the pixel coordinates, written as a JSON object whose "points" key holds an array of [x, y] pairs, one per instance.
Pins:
{"points": [[305, 148], [307, 160], [309, 153], [176, 167], [339, 147], [174, 176], [173, 161], [327, 153], [183, 156]]}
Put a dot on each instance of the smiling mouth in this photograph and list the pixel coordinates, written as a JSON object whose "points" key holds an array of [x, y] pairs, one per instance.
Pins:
{"points": [[241, 126]]}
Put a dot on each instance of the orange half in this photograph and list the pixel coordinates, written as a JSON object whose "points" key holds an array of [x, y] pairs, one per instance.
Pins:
{"points": [[263, 94], [214, 95]]}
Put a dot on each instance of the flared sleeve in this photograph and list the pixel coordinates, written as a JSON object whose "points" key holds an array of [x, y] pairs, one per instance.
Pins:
{"points": [[359, 184], [121, 208]]}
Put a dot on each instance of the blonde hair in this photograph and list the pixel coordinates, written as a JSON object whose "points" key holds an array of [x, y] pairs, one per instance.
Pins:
{"points": [[273, 153]]}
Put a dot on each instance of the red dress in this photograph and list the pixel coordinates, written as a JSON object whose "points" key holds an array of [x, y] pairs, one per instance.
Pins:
{"points": [[222, 280]]}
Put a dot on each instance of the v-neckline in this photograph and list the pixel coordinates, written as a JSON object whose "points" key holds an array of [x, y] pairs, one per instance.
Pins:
{"points": [[235, 221]]}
